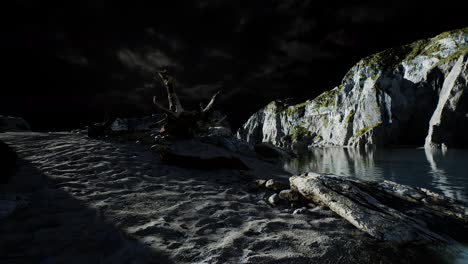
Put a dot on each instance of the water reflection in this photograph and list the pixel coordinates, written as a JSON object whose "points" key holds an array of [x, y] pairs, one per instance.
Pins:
{"points": [[440, 177], [443, 172]]}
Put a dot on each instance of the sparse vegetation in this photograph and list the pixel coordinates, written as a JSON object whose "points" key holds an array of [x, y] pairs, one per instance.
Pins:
{"points": [[299, 133], [453, 56], [389, 58], [350, 117], [327, 98], [364, 130], [294, 109]]}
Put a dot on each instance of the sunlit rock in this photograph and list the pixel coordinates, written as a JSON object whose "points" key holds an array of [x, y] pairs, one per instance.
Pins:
{"points": [[387, 98]]}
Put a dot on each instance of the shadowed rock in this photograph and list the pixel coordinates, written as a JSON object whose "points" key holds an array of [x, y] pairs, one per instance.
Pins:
{"points": [[7, 162]]}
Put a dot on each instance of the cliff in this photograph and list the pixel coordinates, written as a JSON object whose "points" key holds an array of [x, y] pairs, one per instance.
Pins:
{"points": [[410, 95]]}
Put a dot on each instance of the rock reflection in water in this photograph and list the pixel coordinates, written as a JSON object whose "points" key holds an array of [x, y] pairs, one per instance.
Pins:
{"points": [[442, 172], [440, 178], [339, 161]]}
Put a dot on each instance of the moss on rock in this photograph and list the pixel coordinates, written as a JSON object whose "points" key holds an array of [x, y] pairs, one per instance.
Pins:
{"points": [[299, 132], [364, 130], [350, 117], [326, 99], [453, 56], [296, 109]]}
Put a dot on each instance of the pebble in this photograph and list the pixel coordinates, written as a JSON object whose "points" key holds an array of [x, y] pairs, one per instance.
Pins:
{"points": [[299, 211], [273, 199]]}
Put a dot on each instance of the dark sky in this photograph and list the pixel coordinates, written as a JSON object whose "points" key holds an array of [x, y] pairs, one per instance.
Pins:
{"points": [[70, 62]]}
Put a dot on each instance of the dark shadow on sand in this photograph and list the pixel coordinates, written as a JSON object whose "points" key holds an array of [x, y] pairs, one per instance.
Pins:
{"points": [[55, 227]]}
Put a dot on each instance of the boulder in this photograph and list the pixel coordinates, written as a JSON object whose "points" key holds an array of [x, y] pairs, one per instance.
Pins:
{"points": [[386, 210], [273, 199], [198, 155], [289, 195], [387, 98], [276, 185], [13, 124]]}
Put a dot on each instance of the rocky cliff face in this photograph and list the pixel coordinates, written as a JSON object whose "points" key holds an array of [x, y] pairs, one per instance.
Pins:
{"points": [[415, 94]]}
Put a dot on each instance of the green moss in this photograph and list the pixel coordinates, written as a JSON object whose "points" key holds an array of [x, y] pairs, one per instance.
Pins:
{"points": [[327, 98], [417, 48], [299, 133], [451, 33], [350, 117], [364, 130], [453, 56], [389, 58], [377, 87], [295, 109], [386, 59]]}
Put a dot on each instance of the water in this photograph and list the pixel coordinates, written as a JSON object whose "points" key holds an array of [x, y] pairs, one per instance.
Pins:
{"points": [[442, 172]]}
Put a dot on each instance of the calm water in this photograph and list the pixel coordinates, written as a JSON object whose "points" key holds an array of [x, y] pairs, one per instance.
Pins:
{"points": [[445, 173]]}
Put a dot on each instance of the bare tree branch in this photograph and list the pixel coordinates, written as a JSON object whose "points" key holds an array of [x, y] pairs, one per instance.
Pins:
{"points": [[211, 103], [174, 102]]}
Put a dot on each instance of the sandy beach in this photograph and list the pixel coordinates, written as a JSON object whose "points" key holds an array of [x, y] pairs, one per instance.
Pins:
{"points": [[81, 200]]}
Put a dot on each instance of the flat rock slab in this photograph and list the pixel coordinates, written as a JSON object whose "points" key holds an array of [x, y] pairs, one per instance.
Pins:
{"points": [[386, 210]]}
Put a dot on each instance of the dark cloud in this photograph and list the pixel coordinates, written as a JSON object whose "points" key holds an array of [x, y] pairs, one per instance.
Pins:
{"points": [[89, 57]]}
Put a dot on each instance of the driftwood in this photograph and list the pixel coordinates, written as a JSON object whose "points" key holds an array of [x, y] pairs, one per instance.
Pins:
{"points": [[387, 210], [179, 122]]}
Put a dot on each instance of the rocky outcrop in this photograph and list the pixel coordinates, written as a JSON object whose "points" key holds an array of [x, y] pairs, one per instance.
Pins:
{"points": [[386, 210], [389, 98], [13, 124], [449, 123]]}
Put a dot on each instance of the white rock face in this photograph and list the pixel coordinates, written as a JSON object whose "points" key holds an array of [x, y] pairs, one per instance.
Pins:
{"points": [[449, 121], [387, 98]]}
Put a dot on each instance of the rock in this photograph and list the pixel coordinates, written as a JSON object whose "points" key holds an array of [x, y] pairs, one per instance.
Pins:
{"points": [[386, 210], [268, 151], [274, 199], [260, 183], [198, 155], [220, 131], [386, 98], [232, 144], [449, 124], [276, 185], [13, 124], [289, 195], [299, 211], [8, 160]]}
